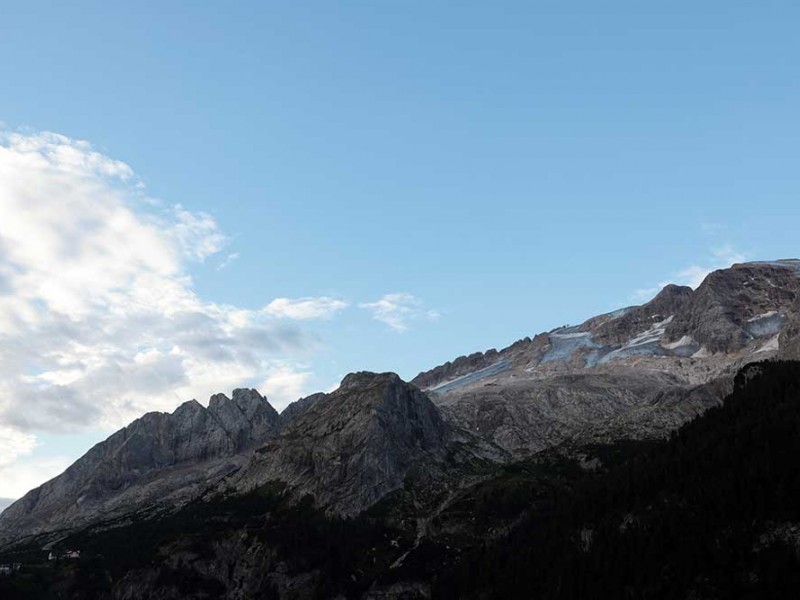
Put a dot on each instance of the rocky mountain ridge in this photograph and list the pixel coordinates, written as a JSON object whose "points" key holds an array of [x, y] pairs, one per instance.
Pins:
{"points": [[357, 444], [347, 449], [731, 308], [635, 373], [639, 372], [158, 458], [710, 513]]}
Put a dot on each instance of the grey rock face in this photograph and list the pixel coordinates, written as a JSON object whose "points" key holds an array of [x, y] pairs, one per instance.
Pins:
{"points": [[637, 372], [528, 416], [158, 459], [247, 418], [717, 313], [354, 446], [299, 407], [460, 366], [609, 331], [789, 339]]}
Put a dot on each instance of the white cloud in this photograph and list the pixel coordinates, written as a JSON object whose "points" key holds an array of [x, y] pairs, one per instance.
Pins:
{"points": [[27, 473], [646, 293], [99, 321], [693, 275], [723, 257], [14, 444], [197, 234], [227, 261], [302, 309], [397, 310], [285, 384]]}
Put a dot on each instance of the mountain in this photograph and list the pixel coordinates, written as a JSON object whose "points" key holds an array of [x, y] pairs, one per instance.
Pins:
{"points": [[638, 372], [357, 444], [159, 459], [347, 449], [713, 512], [378, 443], [299, 407]]}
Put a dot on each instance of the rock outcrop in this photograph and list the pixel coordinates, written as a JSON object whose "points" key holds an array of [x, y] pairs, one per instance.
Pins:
{"points": [[460, 366], [617, 328], [789, 339], [159, 459], [299, 407], [733, 307], [355, 445]]}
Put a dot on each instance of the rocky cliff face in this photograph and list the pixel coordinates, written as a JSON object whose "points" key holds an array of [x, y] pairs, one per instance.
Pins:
{"points": [[733, 307], [299, 407], [158, 459], [347, 449], [789, 339], [617, 328], [353, 446]]}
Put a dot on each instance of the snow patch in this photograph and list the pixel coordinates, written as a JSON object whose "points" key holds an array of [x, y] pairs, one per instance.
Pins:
{"points": [[570, 336], [686, 340], [564, 345], [684, 347], [765, 325], [766, 314], [644, 343], [651, 335], [493, 369], [616, 314], [771, 346]]}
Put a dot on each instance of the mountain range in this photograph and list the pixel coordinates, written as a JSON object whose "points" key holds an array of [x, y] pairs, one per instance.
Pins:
{"points": [[425, 462]]}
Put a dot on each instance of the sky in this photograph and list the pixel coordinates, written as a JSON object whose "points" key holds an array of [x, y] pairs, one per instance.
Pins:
{"points": [[201, 196]]}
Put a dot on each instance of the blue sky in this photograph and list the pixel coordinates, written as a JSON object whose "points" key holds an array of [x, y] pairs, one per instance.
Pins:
{"points": [[496, 169]]}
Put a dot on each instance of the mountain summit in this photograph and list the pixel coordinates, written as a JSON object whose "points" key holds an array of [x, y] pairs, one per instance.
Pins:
{"points": [[354, 445], [159, 459]]}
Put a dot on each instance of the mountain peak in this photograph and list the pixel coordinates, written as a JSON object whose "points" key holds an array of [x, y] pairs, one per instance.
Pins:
{"points": [[368, 378], [248, 396], [733, 307], [672, 290], [156, 456], [356, 444], [793, 263]]}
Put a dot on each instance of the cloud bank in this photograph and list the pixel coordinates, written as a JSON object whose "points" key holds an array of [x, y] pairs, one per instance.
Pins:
{"points": [[399, 310], [99, 321], [302, 309]]}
